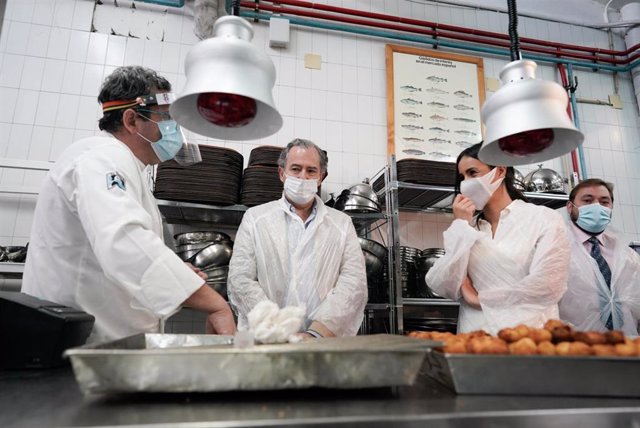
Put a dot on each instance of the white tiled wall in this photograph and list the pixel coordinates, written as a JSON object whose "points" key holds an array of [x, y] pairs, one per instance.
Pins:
{"points": [[51, 66]]}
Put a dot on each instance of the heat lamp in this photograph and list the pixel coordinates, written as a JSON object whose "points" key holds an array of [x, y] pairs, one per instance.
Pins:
{"points": [[526, 120], [227, 94]]}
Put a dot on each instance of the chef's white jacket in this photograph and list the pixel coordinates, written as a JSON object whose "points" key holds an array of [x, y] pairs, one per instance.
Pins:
{"points": [[323, 270], [520, 274], [96, 242], [588, 300]]}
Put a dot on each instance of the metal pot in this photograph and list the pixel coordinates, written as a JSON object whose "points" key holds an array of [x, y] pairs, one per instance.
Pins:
{"points": [[216, 254], [423, 264], [358, 198], [373, 247], [544, 180], [199, 237]]}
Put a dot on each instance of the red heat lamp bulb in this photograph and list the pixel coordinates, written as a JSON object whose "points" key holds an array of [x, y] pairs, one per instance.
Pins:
{"points": [[526, 143], [227, 110]]}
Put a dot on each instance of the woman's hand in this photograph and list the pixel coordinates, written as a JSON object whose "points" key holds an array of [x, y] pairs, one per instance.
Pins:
{"points": [[463, 208], [469, 293]]}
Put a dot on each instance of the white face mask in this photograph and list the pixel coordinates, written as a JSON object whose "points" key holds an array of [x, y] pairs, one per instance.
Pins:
{"points": [[300, 191], [480, 189]]}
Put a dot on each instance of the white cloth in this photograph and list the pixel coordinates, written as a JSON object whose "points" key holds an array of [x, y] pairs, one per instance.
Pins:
{"points": [[588, 299], [271, 324], [520, 274], [321, 267], [98, 247]]}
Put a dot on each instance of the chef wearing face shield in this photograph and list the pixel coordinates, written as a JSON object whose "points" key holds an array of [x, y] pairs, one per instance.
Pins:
{"points": [[96, 241], [604, 276], [297, 252], [507, 265]]}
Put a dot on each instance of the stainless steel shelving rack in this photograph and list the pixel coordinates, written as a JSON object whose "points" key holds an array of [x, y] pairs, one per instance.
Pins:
{"points": [[428, 199], [176, 212]]}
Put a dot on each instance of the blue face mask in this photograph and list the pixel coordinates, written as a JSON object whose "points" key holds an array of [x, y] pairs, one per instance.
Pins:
{"points": [[593, 218], [169, 143]]}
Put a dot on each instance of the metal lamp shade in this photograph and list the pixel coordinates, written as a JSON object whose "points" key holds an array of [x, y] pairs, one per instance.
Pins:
{"points": [[229, 64], [527, 105]]}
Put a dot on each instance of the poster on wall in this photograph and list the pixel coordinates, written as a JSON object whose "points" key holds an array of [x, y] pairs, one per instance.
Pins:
{"points": [[433, 103]]}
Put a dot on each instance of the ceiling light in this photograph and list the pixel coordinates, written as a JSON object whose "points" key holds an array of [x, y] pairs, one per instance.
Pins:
{"points": [[228, 90], [526, 120]]}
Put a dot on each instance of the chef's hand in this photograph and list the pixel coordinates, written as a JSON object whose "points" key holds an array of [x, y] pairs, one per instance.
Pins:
{"points": [[463, 208], [469, 293], [201, 274], [221, 322]]}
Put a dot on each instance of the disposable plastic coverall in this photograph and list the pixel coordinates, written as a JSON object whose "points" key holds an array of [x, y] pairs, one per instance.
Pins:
{"points": [[96, 242], [520, 274], [326, 271], [589, 301]]}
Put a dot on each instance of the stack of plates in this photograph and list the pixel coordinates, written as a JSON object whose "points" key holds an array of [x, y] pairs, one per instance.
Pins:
{"points": [[215, 180], [408, 256], [265, 156], [425, 172], [260, 184]]}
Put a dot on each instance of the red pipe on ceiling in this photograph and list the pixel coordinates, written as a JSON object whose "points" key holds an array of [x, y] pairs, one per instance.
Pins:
{"points": [[565, 84], [525, 42]]}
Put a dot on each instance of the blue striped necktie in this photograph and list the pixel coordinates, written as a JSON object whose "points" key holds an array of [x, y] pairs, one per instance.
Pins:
{"points": [[604, 270]]}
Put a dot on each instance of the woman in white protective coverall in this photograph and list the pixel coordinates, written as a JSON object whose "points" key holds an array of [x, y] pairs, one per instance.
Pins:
{"points": [[297, 252], [506, 266], [96, 240], [590, 303]]}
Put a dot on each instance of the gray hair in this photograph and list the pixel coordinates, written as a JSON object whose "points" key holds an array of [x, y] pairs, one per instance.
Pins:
{"points": [[127, 83], [305, 144]]}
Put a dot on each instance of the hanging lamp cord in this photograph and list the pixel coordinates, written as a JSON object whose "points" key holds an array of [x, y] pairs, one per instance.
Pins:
{"points": [[513, 30]]}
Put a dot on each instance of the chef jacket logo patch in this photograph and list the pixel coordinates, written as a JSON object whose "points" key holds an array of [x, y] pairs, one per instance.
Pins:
{"points": [[113, 179]]}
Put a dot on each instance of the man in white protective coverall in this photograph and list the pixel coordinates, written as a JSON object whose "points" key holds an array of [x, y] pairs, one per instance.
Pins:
{"points": [[96, 241], [298, 252], [604, 277]]}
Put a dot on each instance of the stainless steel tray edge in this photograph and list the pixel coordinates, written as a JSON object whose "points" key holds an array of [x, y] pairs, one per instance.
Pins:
{"points": [[536, 375], [204, 363]]}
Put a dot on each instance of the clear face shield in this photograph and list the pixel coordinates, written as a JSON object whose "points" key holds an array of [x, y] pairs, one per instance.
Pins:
{"points": [[189, 153]]}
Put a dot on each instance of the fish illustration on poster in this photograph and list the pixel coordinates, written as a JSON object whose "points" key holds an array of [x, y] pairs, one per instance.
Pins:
{"points": [[437, 98]]}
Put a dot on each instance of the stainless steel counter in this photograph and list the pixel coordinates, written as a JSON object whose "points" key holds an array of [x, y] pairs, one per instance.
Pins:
{"points": [[52, 398]]}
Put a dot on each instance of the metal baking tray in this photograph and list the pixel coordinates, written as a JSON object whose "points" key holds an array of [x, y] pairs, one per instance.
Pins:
{"points": [[204, 363], [536, 375]]}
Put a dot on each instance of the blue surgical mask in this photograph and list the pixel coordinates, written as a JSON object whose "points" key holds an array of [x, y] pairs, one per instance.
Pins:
{"points": [[169, 143], [593, 218]]}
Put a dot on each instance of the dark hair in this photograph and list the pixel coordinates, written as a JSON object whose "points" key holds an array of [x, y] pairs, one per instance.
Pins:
{"points": [[127, 83], [591, 182], [305, 144], [509, 179]]}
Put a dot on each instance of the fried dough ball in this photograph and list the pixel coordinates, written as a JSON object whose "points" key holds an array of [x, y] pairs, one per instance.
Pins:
{"points": [[628, 349], [590, 337], [487, 345], [573, 348], [615, 336], [441, 336], [540, 335], [604, 350], [546, 348], [562, 334], [524, 346], [511, 335], [551, 324], [420, 334], [456, 345]]}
